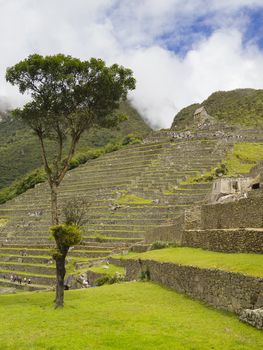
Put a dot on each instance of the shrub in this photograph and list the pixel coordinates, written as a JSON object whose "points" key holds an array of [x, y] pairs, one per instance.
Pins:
{"points": [[159, 245], [22, 185], [66, 235], [109, 280], [145, 275], [131, 139]]}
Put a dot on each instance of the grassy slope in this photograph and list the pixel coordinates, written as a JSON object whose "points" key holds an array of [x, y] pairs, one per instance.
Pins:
{"points": [[109, 270], [241, 106], [250, 264], [19, 149], [240, 160], [127, 316]]}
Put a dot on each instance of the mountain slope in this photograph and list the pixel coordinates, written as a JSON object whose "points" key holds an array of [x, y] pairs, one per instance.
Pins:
{"points": [[241, 107], [19, 149]]}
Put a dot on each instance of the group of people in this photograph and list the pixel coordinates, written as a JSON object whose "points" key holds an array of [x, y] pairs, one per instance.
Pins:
{"points": [[20, 280]]}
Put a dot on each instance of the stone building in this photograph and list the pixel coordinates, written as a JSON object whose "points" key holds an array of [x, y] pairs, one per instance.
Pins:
{"points": [[231, 188], [202, 118]]}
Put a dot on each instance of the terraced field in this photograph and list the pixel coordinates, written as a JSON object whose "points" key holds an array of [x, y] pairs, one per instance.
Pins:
{"points": [[129, 191]]}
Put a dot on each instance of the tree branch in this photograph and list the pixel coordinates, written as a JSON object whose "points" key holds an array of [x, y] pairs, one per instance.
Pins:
{"points": [[44, 158]]}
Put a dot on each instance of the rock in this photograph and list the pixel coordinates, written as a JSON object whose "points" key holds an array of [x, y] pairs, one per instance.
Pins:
{"points": [[7, 290], [253, 317]]}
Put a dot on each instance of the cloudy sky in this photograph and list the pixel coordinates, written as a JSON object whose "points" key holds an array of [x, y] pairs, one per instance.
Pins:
{"points": [[180, 50]]}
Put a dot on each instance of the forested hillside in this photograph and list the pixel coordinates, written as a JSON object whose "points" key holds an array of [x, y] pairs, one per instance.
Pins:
{"points": [[19, 149]]}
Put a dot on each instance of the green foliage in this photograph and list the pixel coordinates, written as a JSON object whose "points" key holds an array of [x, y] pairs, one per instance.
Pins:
{"points": [[132, 139], [145, 275], [108, 279], [22, 185], [241, 106], [87, 92], [66, 235], [19, 149], [159, 245]]}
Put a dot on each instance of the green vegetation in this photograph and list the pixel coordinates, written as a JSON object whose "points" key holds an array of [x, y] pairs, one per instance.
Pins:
{"points": [[240, 160], [159, 245], [3, 222], [19, 150], [133, 199], [37, 176], [108, 269], [245, 155], [241, 106], [23, 184], [130, 315], [249, 264]]}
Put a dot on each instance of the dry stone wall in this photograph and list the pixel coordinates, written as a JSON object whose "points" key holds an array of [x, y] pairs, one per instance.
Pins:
{"points": [[220, 289], [225, 240], [244, 213]]}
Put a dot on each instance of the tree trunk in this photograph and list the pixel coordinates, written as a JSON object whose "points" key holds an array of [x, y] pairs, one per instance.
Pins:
{"points": [[61, 271], [54, 204]]}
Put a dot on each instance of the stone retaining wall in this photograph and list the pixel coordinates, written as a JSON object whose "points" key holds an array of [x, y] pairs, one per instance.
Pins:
{"points": [[220, 289], [228, 241], [93, 276], [174, 233], [167, 233], [243, 213]]}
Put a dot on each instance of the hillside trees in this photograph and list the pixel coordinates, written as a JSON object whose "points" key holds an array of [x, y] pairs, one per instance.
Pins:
{"points": [[68, 97]]}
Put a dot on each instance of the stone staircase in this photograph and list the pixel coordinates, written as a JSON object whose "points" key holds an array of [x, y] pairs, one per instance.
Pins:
{"points": [[153, 172]]}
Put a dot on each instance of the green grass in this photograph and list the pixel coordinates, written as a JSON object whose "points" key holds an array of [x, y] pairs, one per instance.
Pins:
{"points": [[111, 270], [249, 264], [239, 107], [127, 316], [240, 160], [133, 199], [245, 155]]}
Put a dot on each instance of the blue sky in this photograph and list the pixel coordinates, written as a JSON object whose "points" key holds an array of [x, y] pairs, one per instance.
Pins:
{"points": [[254, 28], [180, 50]]}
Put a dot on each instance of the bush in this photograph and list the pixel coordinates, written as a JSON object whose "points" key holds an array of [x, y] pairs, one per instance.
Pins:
{"points": [[22, 185], [159, 245], [66, 235], [131, 139], [145, 275], [109, 280]]}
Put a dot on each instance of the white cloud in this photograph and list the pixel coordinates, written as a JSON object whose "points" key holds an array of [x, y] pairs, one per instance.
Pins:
{"points": [[130, 32]]}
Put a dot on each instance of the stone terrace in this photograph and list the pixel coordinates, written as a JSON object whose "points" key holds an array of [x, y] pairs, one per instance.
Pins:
{"points": [[152, 171]]}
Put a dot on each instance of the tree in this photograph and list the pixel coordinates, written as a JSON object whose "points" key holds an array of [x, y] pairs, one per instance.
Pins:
{"points": [[68, 97]]}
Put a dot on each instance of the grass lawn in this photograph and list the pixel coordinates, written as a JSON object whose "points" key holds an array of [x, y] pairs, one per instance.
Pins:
{"points": [[133, 315], [109, 269], [249, 264]]}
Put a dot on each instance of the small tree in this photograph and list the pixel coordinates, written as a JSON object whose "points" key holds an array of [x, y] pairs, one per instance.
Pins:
{"points": [[67, 235], [69, 96]]}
